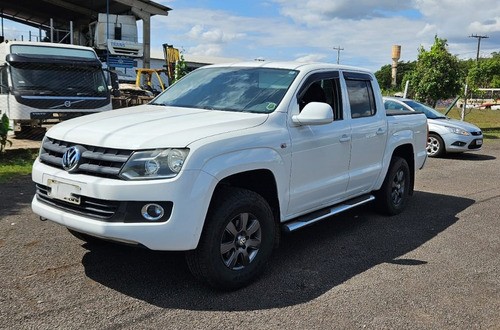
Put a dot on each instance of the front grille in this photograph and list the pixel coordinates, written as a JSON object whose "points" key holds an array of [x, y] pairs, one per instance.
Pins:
{"points": [[476, 133], [104, 210], [474, 145], [96, 161], [91, 207]]}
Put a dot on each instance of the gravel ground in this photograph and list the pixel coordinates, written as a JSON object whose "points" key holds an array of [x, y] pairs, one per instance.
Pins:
{"points": [[436, 266]]}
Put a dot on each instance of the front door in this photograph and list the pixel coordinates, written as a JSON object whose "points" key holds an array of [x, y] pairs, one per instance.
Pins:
{"points": [[320, 154]]}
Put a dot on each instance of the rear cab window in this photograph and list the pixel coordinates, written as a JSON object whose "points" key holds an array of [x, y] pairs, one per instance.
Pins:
{"points": [[360, 94]]}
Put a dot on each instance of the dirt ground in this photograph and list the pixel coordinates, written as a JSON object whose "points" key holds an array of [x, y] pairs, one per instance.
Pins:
{"points": [[24, 143]]}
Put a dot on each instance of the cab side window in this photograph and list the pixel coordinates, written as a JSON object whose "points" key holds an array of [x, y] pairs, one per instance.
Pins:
{"points": [[327, 91], [361, 98]]}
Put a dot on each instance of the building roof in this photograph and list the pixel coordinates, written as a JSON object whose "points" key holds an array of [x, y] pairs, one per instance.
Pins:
{"points": [[37, 13]]}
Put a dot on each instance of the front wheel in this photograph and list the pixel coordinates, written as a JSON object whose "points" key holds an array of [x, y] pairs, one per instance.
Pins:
{"points": [[435, 145], [236, 242], [394, 193]]}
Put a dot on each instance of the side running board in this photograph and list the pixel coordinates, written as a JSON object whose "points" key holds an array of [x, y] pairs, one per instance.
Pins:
{"points": [[316, 216]]}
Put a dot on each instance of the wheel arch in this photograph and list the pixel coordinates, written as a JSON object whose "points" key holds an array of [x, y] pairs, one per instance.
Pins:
{"points": [[260, 181], [406, 152]]}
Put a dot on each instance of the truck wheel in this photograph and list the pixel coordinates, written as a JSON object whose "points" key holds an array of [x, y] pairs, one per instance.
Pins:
{"points": [[393, 194], [435, 145], [237, 240]]}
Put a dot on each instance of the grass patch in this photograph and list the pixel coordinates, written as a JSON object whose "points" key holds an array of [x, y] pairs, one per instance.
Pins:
{"points": [[16, 162]]}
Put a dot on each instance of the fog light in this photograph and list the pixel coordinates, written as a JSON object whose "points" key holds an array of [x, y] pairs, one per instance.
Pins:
{"points": [[152, 212]]}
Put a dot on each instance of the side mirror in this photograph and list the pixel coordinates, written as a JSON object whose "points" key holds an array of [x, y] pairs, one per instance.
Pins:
{"points": [[112, 79], [314, 113], [113, 76]]}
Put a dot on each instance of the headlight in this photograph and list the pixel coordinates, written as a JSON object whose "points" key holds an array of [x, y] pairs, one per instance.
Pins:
{"points": [[458, 131], [154, 164]]}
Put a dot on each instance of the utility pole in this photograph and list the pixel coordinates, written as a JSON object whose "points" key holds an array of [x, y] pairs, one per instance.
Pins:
{"points": [[338, 49], [478, 43]]}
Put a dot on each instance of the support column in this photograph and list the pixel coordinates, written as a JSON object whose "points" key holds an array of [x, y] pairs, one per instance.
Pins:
{"points": [[146, 35]]}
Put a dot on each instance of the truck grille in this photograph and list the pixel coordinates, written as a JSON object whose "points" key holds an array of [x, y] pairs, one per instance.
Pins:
{"points": [[91, 207], [102, 209], [95, 161]]}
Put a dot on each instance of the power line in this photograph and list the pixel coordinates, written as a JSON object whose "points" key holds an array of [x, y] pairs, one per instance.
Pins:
{"points": [[338, 49], [478, 43]]}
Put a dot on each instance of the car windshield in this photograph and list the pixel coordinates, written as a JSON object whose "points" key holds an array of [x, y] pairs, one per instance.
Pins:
{"points": [[428, 111], [257, 90]]}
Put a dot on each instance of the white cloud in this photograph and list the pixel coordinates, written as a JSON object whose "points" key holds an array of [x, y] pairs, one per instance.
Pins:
{"points": [[315, 12], [490, 25], [309, 29], [205, 50], [311, 58]]}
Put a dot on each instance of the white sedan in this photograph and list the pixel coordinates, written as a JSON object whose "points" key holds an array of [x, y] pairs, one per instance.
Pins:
{"points": [[446, 135]]}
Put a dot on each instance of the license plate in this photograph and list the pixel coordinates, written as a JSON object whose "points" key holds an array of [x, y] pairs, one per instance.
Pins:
{"points": [[479, 142], [63, 191]]}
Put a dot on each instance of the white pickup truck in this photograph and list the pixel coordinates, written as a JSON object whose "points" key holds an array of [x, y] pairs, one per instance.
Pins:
{"points": [[226, 159]]}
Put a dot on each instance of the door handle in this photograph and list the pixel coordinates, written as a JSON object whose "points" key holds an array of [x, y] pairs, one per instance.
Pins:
{"points": [[345, 138], [380, 131]]}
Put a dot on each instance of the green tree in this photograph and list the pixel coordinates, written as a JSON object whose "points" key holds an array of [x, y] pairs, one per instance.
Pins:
{"points": [[384, 75], [437, 74], [4, 130], [181, 68], [486, 73]]}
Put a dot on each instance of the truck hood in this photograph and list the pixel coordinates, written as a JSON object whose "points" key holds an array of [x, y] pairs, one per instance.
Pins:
{"points": [[149, 126]]}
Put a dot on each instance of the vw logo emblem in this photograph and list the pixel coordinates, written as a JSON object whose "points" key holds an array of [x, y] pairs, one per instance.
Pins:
{"points": [[67, 104], [71, 158]]}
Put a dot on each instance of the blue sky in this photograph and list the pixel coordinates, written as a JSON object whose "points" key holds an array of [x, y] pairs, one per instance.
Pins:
{"points": [[307, 30]]}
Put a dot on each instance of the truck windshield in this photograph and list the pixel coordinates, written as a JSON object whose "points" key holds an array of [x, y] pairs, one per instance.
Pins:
{"points": [[42, 79], [257, 90]]}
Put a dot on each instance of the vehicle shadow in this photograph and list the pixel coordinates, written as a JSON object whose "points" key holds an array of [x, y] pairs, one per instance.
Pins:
{"points": [[469, 156], [307, 264]]}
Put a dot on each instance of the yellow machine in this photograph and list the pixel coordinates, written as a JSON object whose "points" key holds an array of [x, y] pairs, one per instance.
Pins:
{"points": [[172, 55], [153, 80]]}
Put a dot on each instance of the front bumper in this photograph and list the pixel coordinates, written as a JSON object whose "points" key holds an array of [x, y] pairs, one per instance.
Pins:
{"points": [[188, 194], [459, 143]]}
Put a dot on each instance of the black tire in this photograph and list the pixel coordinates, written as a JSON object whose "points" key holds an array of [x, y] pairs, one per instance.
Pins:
{"points": [[236, 242], [85, 237], [394, 193], [435, 146]]}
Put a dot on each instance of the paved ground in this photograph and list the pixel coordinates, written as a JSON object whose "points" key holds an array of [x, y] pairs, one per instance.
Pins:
{"points": [[33, 142], [436, 266]]}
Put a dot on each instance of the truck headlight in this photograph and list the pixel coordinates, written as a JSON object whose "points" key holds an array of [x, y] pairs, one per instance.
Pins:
{"points": [[154, 164], [458, 131]]}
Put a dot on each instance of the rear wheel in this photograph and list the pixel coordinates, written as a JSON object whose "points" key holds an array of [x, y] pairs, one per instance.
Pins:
{"points": [[237, 240], [394, 193], [435, 145]]}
